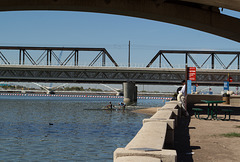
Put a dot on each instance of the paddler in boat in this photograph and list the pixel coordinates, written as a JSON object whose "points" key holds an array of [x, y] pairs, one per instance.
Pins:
{"points": [[110, 106], [122, 105]]}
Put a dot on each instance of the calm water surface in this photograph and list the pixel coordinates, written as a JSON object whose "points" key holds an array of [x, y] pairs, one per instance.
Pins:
{"points": [[59, 129]]}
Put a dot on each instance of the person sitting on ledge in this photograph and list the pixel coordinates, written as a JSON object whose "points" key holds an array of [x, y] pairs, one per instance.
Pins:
{"points": [[181, 97]]}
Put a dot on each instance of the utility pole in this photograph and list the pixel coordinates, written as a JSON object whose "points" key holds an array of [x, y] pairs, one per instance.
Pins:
{"points": [[129, 54]]}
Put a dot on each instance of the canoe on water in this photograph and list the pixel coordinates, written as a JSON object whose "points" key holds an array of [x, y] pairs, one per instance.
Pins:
{"points": [[102, 109], [105, 108]]}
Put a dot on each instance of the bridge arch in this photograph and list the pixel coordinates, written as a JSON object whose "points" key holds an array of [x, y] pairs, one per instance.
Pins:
{"points": [[196, 16]]}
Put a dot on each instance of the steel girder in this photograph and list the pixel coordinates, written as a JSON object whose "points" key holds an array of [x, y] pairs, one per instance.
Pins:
{"points": [[113, 75]]}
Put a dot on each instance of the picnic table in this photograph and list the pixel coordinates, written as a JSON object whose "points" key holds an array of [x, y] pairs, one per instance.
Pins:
{"points": [[212, 108]]}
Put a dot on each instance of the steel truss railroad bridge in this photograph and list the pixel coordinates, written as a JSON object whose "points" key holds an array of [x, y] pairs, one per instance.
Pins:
{"points": [[29, 69]]}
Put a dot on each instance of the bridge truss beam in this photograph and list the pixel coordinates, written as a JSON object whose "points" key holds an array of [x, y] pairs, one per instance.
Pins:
{"points": [[111, 75], [213, 57], [48, 54]]}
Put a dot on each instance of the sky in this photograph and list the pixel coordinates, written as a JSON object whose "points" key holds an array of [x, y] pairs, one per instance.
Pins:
{"points": [[113, 32]]}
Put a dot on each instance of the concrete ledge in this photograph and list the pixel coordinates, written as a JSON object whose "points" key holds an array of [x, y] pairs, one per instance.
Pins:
{"points": [[176, 112], [137, 159], [156, 134], [170, 122], [177, 103], [169, 138], [174, 104], [170, 106], [122, 155], [151, 135], [165, 114]]}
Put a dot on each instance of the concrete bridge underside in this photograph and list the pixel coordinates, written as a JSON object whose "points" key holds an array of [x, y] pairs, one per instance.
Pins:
{"points": [[203, 15]]}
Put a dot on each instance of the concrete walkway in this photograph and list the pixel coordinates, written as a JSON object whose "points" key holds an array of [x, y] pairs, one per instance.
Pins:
{"points": [[207, 141]]}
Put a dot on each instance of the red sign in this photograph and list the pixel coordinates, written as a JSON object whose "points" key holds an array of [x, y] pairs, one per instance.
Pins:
{"points": [[192, 73], [230, 79]]}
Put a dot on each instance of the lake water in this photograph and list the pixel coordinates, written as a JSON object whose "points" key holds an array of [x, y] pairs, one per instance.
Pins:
{"points": [[43, 128]]}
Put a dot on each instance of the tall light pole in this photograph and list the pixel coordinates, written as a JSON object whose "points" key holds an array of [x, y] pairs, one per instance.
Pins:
{"points": [[186, 79], [129, 54]]}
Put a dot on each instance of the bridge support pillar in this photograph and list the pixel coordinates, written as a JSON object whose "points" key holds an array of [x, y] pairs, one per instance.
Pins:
{"points": [[129, 93]]}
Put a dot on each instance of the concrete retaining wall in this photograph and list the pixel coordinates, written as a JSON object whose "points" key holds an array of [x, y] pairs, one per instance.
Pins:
{"points": [[235, 100], [155, 140], [193, 99]]}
